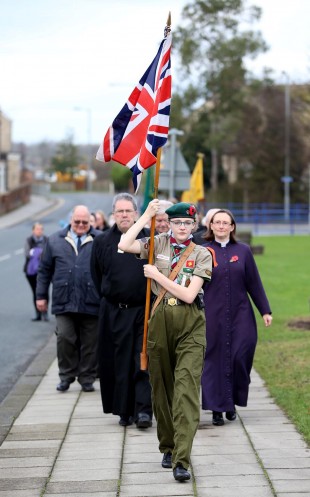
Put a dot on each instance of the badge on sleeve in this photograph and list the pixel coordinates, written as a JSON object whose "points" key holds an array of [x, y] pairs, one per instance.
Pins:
{"points": [[145, 242], [189, 266]]}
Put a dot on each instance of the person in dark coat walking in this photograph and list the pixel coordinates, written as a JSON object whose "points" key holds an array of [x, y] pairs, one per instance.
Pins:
{"points": [[65, 263], [119, 279], [33, 251], [231, 325]]}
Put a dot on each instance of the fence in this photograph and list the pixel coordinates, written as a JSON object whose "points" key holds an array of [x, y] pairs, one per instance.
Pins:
{"points": [[263, 218], [264, 213], [15, 198]]}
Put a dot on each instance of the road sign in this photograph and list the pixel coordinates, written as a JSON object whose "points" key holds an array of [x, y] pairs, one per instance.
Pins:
{"points": [[174, 171], [286, 179]]}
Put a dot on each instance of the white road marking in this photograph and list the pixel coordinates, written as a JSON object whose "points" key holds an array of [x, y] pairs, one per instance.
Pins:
{"points": [[5, 257]]}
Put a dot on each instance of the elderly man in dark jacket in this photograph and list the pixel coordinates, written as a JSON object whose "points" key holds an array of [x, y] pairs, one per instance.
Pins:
{"points": [[65, 263], [125, 388]]}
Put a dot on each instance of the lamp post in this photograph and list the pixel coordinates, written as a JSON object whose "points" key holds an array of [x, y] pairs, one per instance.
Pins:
{"points": [[89, 160], [287, 178], [173, 133]]}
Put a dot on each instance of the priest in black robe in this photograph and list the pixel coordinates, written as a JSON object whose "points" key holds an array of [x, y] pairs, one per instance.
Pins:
{"points": [[119, 279]]}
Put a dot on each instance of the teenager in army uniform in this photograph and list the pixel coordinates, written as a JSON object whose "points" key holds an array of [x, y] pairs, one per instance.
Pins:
{"points": [[177, 331]]}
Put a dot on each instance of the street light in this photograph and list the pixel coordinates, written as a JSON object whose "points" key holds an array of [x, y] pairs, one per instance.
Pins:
{"points": [[173, 133], [287, 178], [89, 161]]}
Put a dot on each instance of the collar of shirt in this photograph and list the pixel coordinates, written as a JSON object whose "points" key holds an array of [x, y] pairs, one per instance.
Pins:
{"points": [[75, 237], [222, 243]]}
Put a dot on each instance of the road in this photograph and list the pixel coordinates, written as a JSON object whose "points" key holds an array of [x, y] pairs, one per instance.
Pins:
{"points": [[22, 339]]}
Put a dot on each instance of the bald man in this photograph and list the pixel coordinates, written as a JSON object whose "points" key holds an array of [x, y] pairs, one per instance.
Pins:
{"points": [[66, 263]]}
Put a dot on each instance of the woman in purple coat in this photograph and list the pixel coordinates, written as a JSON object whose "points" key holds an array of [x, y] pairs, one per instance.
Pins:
{"points": [[231, 325]]}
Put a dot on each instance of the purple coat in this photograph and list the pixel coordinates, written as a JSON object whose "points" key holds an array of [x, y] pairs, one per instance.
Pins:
{"points": [[231, 326]]}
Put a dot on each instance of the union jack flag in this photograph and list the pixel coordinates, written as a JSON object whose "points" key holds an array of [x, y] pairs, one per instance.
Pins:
{"points": [[142, 126]]}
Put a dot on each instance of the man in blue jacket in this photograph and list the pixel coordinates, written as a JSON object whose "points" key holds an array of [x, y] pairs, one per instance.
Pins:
{"points": [[65, 263]]}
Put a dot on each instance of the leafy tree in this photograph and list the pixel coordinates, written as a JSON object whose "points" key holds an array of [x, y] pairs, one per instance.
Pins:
{"points": [[212, 47], [121, 177], [260, 145], [67, 158]]}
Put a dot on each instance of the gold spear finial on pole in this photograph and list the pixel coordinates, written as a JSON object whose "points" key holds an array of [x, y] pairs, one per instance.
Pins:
{"points": [[168, 25]]}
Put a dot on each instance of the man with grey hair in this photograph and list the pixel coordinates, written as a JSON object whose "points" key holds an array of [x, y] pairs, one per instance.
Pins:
{"points": [[65, 263], [119, 279]]}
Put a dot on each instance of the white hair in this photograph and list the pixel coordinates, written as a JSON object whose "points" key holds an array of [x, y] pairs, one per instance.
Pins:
{"points": [[206, 220], [163, 206]]}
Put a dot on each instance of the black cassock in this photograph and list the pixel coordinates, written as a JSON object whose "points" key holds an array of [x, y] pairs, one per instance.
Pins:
{"points": [[119, 278]]}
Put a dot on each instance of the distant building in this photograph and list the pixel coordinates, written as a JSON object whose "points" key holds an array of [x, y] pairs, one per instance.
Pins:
{"points": [[9, 161]]}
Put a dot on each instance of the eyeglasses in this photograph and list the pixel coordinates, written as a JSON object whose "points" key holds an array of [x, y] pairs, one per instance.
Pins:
{"points": [[187, 224], [161, 221], [222, 223], [77, 221], [124, 211]]}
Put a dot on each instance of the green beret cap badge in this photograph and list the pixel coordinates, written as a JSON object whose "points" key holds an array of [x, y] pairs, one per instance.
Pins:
{"points": [[182, 209]]}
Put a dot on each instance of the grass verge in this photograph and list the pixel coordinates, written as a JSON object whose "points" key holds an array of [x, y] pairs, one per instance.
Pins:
{"points": [[283, 353]]}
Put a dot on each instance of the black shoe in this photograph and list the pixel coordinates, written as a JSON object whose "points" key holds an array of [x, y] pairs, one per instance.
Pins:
{"points": [[180, 473], [125, 421], [167, 460], [88, 387], [63, 386], [143, 420], [217, 418], [231, 415], [38, 318]]}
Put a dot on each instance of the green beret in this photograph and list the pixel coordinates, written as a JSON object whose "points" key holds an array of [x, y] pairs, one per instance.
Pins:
{"points": [[182, 209]]}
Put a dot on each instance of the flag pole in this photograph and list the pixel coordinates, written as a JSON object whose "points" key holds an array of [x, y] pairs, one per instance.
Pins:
{"points": [[143, 355]]}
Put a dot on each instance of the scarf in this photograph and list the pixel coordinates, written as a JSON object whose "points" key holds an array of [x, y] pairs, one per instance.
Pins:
{"points": [[177, 249]]}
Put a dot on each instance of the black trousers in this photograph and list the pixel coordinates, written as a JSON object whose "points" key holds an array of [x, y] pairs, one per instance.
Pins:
{"points": [[77, 346], [125, 388], [32, 280]]}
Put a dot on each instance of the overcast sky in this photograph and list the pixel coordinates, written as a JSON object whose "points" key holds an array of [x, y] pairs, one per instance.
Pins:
{"points": [[56, 55]]}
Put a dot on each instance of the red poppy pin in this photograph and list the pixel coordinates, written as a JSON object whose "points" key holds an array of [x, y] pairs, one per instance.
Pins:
{"points": [[234, 258], [192, 210], [189, 264]]}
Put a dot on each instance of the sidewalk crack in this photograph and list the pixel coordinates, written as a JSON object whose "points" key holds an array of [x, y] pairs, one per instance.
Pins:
{"points": [[119, 483]]}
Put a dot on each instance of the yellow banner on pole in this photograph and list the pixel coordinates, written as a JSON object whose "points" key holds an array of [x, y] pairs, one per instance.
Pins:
{"points": [[196, 191]]}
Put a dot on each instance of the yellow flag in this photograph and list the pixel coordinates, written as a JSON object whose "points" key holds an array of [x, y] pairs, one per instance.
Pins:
{"points": [[196, 191]]}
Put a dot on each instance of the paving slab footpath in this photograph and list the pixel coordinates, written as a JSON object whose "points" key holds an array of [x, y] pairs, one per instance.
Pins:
{"points": [[61, 444]]}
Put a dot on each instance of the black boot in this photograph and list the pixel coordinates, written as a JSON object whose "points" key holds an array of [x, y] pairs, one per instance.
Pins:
{"points": [[45, 316], [217, 418], [38, 317]]}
